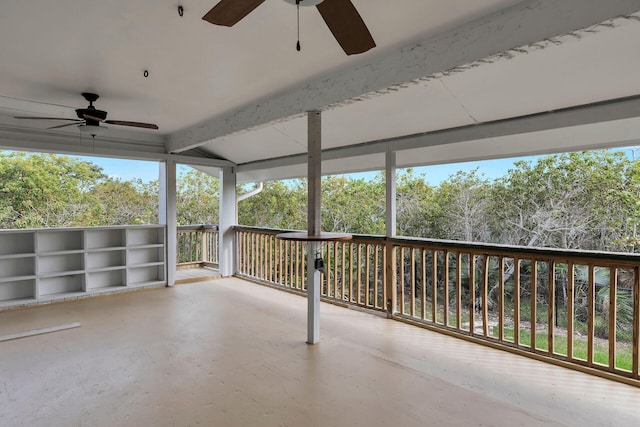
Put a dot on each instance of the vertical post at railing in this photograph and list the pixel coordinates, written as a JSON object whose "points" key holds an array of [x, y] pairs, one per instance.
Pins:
{"points": [[613, 282], [367, 267], [636, 321], [485, 295], [534, 302], [570, 309], [343, 280], [423, 296], [391, 276], [412, 307], [352, 266], [458, 291], [516, 301], [205, 247], [359, 272], [376, 292], [551, 305], [402, 275], [501, 299], [390, 224], [434, 285], [472, 293], [445, 289], [591, 312]]}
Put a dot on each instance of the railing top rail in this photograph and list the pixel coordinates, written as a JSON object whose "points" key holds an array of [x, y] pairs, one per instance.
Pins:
{"points": [[198, 227], [520, 251], [485, 248]]}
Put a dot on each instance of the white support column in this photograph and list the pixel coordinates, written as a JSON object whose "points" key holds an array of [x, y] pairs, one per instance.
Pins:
{"points": [[390, 181], [314, 178], [228, 215], [313, 294], [390, 223], [167, 215]]}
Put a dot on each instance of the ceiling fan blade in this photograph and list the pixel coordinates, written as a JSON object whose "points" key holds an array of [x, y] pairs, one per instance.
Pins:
{"points": [[347, 26], [66, 124], [229, 12], [43, 118], [132, 124]]}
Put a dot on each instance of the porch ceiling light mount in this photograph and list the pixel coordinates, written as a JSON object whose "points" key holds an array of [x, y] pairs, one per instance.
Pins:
{"points": [[92, 130]]}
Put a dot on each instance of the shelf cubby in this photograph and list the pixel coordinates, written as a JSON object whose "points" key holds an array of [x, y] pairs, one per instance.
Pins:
{"points": [[12, 267], [145, 236], [145, 275], [60, 240], [61, 263], [17, 289], [106, 259], [105, 279], [61, 284], [145, 255], [17, 243], [105, 239]]}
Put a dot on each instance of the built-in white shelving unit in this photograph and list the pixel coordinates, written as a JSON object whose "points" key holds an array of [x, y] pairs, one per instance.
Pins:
{"points": [[39, 266]]}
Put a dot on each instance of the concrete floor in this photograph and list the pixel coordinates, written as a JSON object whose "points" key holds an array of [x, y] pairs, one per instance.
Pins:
{"points": [[232, 353], [198, 274]]}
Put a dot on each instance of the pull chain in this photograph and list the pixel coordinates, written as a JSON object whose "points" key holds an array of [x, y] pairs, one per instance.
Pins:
{"points": [[298, 7]]}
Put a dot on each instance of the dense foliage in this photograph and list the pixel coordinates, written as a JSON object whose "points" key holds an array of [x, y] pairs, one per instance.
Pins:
{"points": [[587, 200], [48, 190]]}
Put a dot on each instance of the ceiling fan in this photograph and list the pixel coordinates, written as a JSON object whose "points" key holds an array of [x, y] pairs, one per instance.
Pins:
{"points": [[89, 118], [341, 17]]}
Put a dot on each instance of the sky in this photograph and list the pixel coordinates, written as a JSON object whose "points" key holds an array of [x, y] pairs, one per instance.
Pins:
{"points": [[148, 171], [127, 170]]}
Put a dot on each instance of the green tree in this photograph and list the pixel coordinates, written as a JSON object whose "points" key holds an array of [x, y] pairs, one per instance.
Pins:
{"points": [[123, 202], [281, 204], [197, 198], [417, 211], [45, 190], [573, 200], [464, 206], [353, 205]]}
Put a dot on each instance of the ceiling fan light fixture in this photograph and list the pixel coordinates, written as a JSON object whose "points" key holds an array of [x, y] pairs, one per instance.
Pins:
{"points": [[305, 2], [92, 130]]}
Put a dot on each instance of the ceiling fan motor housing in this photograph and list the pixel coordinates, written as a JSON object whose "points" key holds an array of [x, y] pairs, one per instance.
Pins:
{"points": [[92, 112]]}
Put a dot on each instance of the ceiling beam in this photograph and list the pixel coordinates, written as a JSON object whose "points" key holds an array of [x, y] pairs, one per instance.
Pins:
{"points": [[618, 109], [520, 25]]}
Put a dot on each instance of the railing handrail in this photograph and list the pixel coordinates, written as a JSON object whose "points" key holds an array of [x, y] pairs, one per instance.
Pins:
{"points": [[538, 253], [197, 227]]}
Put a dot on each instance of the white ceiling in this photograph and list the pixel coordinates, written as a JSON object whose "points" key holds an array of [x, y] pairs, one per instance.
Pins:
{"points": [[225, 90]]}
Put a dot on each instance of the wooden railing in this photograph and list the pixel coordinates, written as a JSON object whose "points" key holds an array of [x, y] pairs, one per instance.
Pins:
{"points": [[573, 308], [197, 246], [355, 269]]}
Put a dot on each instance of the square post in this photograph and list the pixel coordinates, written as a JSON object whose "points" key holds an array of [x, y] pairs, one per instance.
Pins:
{"points": [[167, 215], [314, 222], [390, 224], [228, 214]]}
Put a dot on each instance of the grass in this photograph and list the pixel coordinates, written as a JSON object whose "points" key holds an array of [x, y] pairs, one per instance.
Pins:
{"points": [[624, 355], [624, 352]]}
